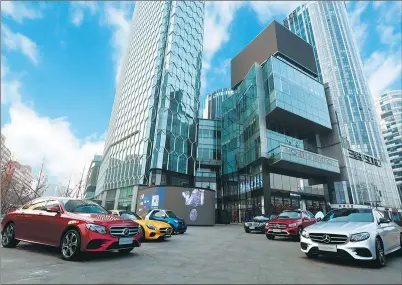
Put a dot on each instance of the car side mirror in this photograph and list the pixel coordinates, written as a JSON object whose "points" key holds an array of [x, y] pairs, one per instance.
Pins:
{"points": [[53, 209], [318, 219], [384, 221], [305, 219]]}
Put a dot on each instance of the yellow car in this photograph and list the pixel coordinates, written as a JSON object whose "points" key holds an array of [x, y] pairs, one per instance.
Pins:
{"points": [[151, 229]]}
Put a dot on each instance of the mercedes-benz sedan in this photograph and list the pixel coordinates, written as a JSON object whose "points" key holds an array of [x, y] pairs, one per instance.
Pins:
{"points": [[256, 224], [73, 225], [364, 234]]}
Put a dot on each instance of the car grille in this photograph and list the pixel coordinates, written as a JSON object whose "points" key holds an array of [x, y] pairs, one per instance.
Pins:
{"points": [[119, 231], [334, 239], [278, 226], [165, 230]]}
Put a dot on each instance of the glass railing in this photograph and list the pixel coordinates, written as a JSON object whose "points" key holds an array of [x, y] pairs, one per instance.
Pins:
{"points": [[300, 156]]}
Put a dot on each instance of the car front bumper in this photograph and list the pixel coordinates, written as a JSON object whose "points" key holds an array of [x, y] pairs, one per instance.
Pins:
{"points": [[257, 228], [285, 232], [95, 242], [158, 233], [362, 250]]}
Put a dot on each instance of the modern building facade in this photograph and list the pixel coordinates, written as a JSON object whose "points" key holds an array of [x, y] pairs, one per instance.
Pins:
{"points": [[390, 104], [273, 126], [325, 25], [213, 103], [152, 132], [92, 177], [5, 153]]}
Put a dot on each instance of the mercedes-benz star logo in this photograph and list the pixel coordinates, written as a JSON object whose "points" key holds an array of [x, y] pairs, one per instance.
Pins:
{"points": [[326, 238], [126, 232]]}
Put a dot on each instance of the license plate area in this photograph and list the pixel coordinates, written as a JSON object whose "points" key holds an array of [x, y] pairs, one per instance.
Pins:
{"points": [[125, 240], [276, 231], [327, 247], [252, 227]]}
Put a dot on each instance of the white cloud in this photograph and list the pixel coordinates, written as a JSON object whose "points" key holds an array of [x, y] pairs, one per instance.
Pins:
{"points": [[382, 70], [388, 35], [19, 42], [118, 17], [358, 27], [10, 89], [266, 10], [79, 8], [33, 138], [19, 11]]}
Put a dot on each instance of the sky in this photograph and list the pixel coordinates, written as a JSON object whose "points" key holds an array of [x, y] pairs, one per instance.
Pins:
{"points": [[60, 62]]}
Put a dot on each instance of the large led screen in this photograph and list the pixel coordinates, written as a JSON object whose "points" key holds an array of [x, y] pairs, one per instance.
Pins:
{"points": [[195, 205]]}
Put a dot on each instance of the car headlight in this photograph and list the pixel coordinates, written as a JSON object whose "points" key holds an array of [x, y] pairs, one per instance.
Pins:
{"points": [[292, 225], [176, 221], [139, 229], [359, 237], [246, 224], [96, 228], [305, 234], [151, 227]]}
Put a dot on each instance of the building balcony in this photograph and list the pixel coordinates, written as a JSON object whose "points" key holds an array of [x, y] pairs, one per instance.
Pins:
{"points": [[302, 161]]}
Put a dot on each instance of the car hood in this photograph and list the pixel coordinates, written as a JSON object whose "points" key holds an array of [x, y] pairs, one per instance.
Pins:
{"points": [[340, 227], [157, 224], [102, 219], [284, 221]]}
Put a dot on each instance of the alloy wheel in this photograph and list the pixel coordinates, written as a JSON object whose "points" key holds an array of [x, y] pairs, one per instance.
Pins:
{"points": [[8, 234], [69, 245], [380, 252]]}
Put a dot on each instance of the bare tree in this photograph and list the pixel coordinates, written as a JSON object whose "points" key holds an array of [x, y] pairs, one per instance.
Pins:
{"points": [[41, 183]]}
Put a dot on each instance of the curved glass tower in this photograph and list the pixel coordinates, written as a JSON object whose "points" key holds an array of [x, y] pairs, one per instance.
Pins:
{"points": [[151, 137], [325, 25], [213, 103]]}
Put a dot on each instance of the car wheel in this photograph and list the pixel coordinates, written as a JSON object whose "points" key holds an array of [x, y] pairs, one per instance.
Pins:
{"points": [[247, 231], [380, 260], [126, 250], [270, 237], [70, 245], [311, 255], [8, 237], [299, 232], [143, 233]]}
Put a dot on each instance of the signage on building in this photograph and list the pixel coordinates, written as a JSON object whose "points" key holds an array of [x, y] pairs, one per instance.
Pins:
{"points": [[308, 155], [362, 157]]}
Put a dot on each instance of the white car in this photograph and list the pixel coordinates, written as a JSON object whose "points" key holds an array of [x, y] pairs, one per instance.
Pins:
{"points": [[364, 234]]}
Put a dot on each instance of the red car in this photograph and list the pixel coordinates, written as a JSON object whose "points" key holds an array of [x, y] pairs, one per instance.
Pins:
{"points": [[289, 223], [73, 225]]}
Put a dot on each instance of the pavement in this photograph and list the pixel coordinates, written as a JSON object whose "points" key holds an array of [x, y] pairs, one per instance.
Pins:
{"points": [[204, 255]]}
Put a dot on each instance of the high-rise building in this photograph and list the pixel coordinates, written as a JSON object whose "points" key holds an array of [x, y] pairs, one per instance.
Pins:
{"points": [[325, 25], [5, 153], [213, 103], [275, 150], [390, 104], [152, 132], [92, 177]]}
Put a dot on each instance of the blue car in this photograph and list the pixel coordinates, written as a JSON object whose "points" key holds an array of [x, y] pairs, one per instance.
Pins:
{"points": [[178, 224]]}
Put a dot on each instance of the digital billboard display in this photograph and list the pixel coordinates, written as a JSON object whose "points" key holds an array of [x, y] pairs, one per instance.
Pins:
{"points": [[195, 205]]}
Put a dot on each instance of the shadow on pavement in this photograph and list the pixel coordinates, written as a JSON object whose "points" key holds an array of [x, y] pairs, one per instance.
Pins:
{"points": [[350, 262]]}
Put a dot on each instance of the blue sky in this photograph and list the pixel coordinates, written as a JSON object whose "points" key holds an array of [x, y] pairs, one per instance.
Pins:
{"points": [[59, 62]]}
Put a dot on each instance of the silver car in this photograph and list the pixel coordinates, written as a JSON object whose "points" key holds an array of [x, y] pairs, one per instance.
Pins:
{"points": [[364, 234]]}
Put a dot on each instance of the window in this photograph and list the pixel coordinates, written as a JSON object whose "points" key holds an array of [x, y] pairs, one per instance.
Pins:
{"points": [[309, 214], [158, 214], [53, 203], [38, 205]]}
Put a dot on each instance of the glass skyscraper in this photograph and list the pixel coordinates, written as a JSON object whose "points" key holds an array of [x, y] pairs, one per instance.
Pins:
{"points": [[391, 124], [325, 25], [213, 103], [152, 133]]}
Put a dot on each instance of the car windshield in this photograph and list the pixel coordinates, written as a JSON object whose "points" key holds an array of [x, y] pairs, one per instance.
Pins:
{"points": [[259, 219], [170, 214], [130, 216], [83, 206], [349, 215], [289, 215]]}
